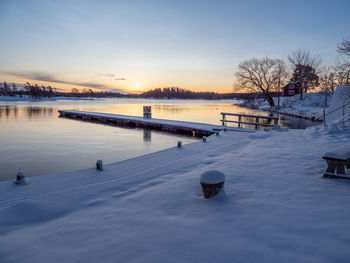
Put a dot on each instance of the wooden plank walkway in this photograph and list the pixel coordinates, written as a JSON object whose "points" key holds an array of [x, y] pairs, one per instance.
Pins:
{"points": [[182, 127]]}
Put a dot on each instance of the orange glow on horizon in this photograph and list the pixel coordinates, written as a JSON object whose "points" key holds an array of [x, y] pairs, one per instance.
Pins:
{"points": [[128, 87]]}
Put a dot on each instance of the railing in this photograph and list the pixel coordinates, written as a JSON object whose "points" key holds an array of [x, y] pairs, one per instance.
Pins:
{"points": [[337, 109], [256, 123]]}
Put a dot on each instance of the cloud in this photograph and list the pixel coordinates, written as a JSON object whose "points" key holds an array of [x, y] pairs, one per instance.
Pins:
{"points": [[42, 76], [108, 75], [120, 79]]}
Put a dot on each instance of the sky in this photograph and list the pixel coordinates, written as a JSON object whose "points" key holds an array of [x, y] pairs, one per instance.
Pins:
{"points": [[135, 46]]}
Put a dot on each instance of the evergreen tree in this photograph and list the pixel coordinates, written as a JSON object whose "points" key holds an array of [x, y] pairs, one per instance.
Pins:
{"points": [[305, 77]]}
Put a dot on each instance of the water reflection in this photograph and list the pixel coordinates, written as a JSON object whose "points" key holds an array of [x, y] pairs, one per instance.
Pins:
{"points": [[147, 135], [18, 112]]}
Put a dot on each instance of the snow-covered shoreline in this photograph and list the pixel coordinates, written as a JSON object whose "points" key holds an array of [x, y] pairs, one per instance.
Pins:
{"points": [[310, 107]]}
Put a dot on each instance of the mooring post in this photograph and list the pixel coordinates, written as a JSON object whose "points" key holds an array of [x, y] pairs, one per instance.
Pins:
{"points": [[179, 144], [204, 138], [212, 182], [99, 165], [20, 178]]}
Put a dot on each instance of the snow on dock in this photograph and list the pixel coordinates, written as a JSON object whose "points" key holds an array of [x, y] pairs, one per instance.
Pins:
{"points": [[275, 207], [184, 127]]}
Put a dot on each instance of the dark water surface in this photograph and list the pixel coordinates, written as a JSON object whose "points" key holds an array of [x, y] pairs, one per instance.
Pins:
{"points": [[34, 140]]}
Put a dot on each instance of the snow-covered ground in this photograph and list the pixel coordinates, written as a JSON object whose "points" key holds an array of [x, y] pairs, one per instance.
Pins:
{"points": [[311, 106], [276, 206]]}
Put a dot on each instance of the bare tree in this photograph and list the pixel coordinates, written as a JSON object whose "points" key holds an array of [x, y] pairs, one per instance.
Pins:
{"points": [[344, 48], [327, 82], [282, 75], [261, 76], [343, 63], [341, 73], [305, 67]]}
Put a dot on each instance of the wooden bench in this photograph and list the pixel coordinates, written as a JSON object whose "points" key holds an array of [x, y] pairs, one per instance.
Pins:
{"points": [[337, 160]]}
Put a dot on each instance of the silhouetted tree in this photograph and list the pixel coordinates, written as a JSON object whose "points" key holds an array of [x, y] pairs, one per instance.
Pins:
{"points": [[261, 76], [5, 89], [282, 75], [305, 77], [305, 67], [343, 64], [74, 90], [327, 82]]}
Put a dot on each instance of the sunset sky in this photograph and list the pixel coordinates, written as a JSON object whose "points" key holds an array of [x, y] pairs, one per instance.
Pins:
{"points": [[139, 45]]}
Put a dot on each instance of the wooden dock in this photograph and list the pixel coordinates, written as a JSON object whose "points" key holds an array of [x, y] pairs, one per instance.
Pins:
{"points": [[182, 127]]}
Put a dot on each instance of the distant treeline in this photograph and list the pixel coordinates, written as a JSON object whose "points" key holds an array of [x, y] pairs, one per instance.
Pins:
{"points": [[178, 93], [37, 92]]}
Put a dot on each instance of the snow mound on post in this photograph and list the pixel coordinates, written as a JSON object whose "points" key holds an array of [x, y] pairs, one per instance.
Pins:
{"points": [[212, 177]]}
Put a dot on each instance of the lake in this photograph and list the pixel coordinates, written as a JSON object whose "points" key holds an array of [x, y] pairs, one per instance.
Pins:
{"points": [[33, 139]]}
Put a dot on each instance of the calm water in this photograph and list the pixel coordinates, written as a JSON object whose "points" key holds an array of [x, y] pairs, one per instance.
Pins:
{"points": [[34, 140]]}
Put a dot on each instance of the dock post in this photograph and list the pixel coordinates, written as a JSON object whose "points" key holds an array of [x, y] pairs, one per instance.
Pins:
{"points": [[179, 144], [99, 165], [20, 178], [204, 138], [223, 119]]}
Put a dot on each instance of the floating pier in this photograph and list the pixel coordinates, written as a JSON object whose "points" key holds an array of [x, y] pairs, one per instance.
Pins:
{"points": [[182, 127]]}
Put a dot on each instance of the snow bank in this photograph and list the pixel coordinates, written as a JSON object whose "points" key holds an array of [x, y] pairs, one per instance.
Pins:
{"points": [[276, 207], [311, 106], [14, 98], [335, 111]]}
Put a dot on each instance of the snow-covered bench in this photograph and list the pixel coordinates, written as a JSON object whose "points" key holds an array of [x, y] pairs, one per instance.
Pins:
{"points": [[337, 160]]}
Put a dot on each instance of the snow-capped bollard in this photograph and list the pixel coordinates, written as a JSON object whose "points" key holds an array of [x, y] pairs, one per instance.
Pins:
{"points": [[179, 144], [20, 178], [217, 133], [212, 181], [99, 165], [204, 138]]}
